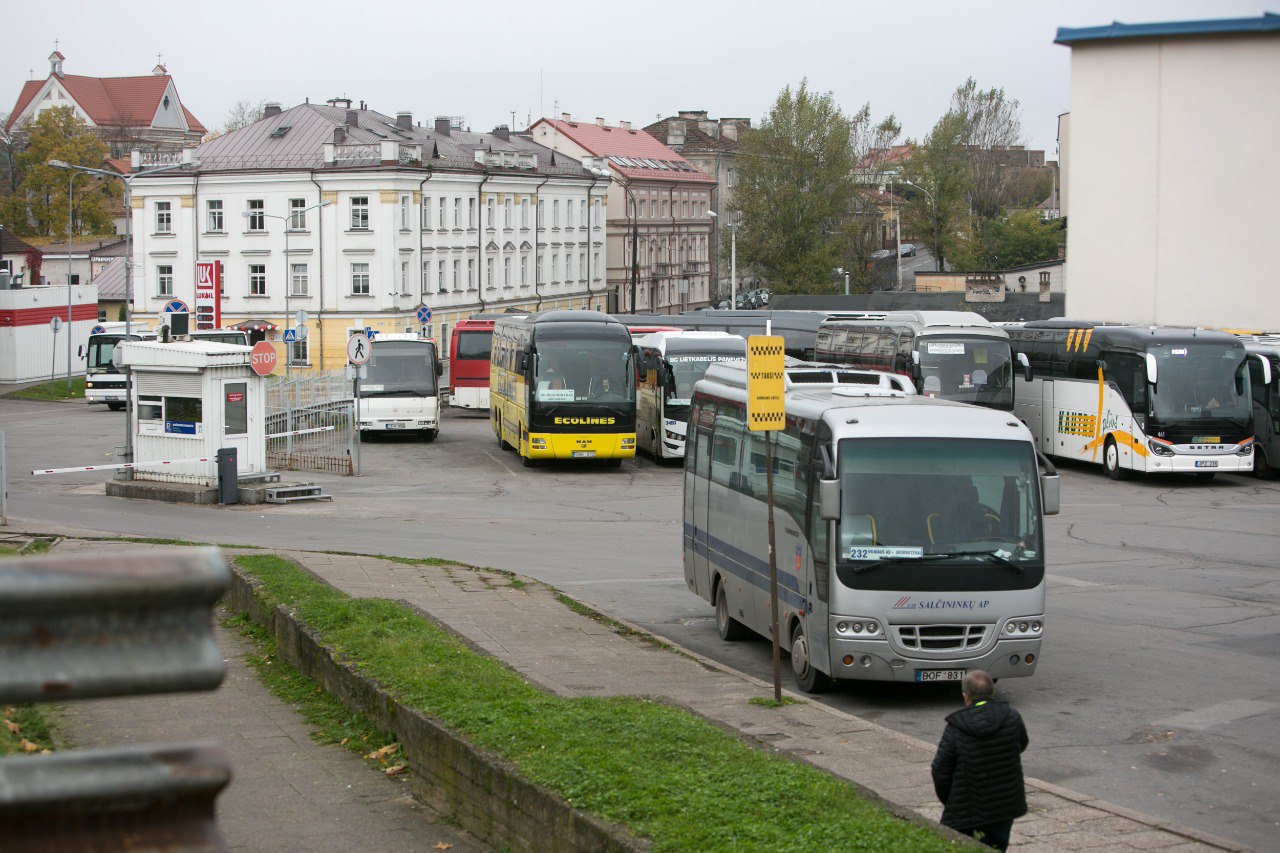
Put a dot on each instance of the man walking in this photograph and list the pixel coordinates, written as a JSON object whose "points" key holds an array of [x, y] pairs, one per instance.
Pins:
{"points": [[977, 772]]}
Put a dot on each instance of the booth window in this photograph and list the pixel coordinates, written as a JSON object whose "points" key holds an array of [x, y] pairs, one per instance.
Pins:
{"points": [[150, 408], [186, 409]]}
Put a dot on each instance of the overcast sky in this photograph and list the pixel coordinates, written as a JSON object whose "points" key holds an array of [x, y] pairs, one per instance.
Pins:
{"points": [[635, 61]]}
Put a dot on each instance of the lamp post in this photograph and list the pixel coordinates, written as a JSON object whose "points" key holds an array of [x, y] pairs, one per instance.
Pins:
{"points": [[71, 196], [128, 180], [733, 257], [844, 272], [288, 283], [937, 260]]}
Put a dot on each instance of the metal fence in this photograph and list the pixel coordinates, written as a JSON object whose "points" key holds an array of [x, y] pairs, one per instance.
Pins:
{"points": [[313, 417]]}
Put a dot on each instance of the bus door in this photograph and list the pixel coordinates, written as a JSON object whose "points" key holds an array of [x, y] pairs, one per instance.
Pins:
{"points": [[1046, 430], [697, 570]]}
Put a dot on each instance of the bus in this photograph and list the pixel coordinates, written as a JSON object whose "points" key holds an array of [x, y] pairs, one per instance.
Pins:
{"points": [[104, 382], [955, 355], [667, 366], [401, 391], [798, 329], [1136, 398], [909, 535], [562, 386], [469, 348], [1264, 382], [221, 336]]}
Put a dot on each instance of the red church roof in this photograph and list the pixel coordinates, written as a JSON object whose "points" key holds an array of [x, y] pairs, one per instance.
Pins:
{"points": [[123, 101], [631, 153]]}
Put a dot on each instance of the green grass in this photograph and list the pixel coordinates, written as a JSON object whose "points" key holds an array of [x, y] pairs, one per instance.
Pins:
{"points": [[333, 722], [57, 390], [660, 771], [33, 732]]}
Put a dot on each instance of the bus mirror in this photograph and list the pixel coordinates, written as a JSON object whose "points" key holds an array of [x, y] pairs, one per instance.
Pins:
{"points": [[523, 362], [829, 499], [915, 357], [80, 351], [1051, 493], [1100, 364], [1262, 359], [439, 367], [1151, 368], [1025, 364]]}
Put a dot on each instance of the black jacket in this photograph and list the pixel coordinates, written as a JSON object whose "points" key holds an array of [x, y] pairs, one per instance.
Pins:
{"points": [[977, 772]]}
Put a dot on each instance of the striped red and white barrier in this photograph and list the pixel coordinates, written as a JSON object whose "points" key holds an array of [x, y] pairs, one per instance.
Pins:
{"points": [[115, 467], [300, 432]]}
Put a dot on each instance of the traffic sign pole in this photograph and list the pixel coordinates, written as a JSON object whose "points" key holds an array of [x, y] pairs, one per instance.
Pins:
{"points": [[766, 412]]}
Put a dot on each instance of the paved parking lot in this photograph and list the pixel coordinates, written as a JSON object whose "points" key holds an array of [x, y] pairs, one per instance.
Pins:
{"points": [[1159, 687]]}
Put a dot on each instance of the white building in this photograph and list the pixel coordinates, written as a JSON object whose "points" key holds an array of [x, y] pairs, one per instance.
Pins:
{"points": [[382, 216], [1170, 172]]}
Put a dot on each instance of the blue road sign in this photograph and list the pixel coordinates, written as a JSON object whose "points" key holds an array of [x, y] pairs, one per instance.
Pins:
{"points": [[97, 330], [290, 336], [424, 314], [370, 332], [176, 306]]}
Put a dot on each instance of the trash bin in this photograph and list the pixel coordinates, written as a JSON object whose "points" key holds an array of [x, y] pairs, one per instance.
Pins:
{"points": [[228, 476]]}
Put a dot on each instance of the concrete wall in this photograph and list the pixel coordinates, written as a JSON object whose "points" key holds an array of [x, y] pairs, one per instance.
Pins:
{"points": [[1173, 181]]}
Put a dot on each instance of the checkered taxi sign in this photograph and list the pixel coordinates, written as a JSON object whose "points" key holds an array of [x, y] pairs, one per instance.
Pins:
{"points": [[765, 384]]}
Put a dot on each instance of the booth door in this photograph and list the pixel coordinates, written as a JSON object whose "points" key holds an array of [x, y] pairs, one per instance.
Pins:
{"points": [[235, 420]]}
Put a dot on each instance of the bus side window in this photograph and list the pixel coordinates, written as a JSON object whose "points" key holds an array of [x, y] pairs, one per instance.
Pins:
{"points": [[817, 526], [725, 441]]}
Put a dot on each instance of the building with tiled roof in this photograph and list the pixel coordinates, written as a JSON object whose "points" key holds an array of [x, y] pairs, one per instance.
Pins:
{"points": [[713, 146], [127, 113], [659, 230], [383, 215]]}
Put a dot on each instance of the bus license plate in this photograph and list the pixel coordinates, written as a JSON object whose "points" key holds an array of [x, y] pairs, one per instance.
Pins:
{"points": [[1206, 463], [583, 454], [939, 674], [395, 426]]}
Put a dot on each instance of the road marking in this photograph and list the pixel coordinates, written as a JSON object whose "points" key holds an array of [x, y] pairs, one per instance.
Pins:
{"points": [[1218, 715]]}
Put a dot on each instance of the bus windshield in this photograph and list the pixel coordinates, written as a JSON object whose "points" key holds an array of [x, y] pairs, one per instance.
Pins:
{"points": [[963, 504], [101, 348], [583, 369], [475, 345], [1195, 381], [404, 368], [687, 369], [969, 370]]}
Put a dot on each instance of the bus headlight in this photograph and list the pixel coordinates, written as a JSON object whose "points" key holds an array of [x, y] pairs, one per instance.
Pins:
{"points": [[626, 442], [1024, 627], [1159, 449], [674, 436], [540, 443], [1246, 450], [856, 627]]}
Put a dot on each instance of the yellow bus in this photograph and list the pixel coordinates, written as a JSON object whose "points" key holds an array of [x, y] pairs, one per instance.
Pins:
{"points": [[562, 386]]}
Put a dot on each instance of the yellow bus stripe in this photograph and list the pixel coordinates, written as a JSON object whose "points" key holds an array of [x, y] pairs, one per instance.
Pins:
{"points": [[1088, 336], [1071, 339]]}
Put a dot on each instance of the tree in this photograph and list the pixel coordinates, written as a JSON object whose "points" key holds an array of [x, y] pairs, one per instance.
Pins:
{"points": [[1020, 238], [39, 205], [870, 142], [937, 214], [992, 124], [243, 113], [796, 192]]}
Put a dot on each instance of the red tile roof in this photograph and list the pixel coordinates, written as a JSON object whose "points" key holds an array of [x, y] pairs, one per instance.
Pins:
{"points": [[128, 101], [635, 146]]}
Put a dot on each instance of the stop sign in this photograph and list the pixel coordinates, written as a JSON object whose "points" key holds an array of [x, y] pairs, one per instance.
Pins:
{"points": [[262, 358]]}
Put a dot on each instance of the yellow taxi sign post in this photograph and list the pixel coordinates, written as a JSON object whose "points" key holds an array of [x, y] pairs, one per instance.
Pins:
{"points": [[766, 391], [765, 385]]}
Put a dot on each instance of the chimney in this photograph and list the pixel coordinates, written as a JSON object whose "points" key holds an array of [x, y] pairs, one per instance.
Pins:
{"points": [[271, 109], [693, 115], [55, 63], [566, 118], [502, 132], [599, 121], [675, 132], [343, 103], [625, 125], [353, 118], [404, 121], [733, 127], [442, 125], [339, 135]]}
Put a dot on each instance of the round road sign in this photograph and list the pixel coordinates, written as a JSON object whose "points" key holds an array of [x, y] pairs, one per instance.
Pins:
{"points": [[424, 314], [176, 306], [98, 330], [358, 348], [262, 358]]}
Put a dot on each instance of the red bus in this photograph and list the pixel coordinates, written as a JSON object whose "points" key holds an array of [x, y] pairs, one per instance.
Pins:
{"points": [[469, 347]]}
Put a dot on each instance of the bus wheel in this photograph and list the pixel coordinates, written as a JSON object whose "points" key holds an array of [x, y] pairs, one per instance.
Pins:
{"points": [[729, 629], [808, 678], [529, 462], [115, 407], [655, 446], [1261, 467], [430, 435], [1111, 460]]}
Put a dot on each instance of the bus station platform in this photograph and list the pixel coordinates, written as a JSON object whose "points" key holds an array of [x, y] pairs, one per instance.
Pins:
{"points": [[572, 654]]}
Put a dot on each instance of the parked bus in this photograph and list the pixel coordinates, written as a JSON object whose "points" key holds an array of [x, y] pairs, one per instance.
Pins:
{"points": [[909, 537], [221, 336], [469, 349], [1136, 398], [955, 355], [1264, 381], [401, 391], [667, 366], [798, 329], [104, 382], [562, 386]]}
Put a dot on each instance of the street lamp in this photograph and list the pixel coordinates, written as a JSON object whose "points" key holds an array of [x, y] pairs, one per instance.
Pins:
{"points": [[288, 283], [733, 257], [937, 260], [844, 272], [128, 270]]}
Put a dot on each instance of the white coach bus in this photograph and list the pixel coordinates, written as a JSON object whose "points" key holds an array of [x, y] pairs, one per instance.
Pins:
{"points": [[909, 539], [668, 364], [401, 388]]}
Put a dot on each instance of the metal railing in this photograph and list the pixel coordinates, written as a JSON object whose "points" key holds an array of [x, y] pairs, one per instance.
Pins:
{"points": [[327, 442], [308, 389]]}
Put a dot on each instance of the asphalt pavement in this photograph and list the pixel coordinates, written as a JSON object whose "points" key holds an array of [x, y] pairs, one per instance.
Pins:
{"points": [[1158, 688]]}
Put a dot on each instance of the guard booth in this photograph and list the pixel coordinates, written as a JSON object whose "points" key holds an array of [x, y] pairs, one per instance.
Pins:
{"points": [[190, 399]]}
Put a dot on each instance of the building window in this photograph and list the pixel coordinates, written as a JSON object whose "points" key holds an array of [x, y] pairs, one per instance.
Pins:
{"points": [[490, 207], [360, 279], [359, 213], [299, 353], [426, 213], [299, 284], [555, 213], [426, 276], [297, 214], [555, 268], [568, 213], [596, 213], [733, 177], [440, 279], [213, 219], [582, 266], [471, 274], [164, 280], [257, 279], [471, 214], [257, 219], [442, 223], [524, 270], [582, 213], [404, 278], [524, 213], [595, 265], [538, 271], [404, 212], [506, 272], [488, 272], [457, 273], [542, 213], [457, 212], [164, 217]]}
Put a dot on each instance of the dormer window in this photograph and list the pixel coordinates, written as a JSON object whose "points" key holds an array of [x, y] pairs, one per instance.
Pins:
{"points": [[166, 102]]}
